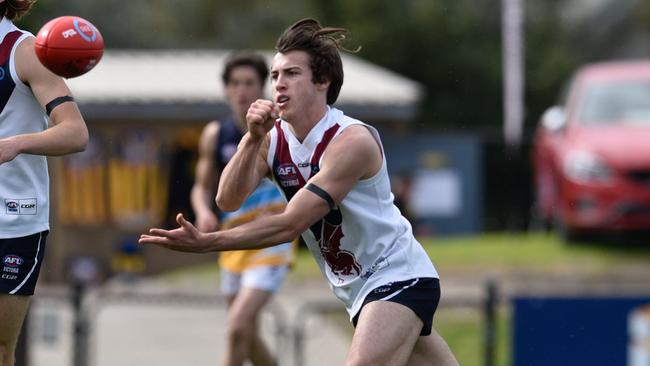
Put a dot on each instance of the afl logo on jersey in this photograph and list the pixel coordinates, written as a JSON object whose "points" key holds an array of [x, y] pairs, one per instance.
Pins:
{"points": [[12, 206], [287, 171], [12, 261], [287, 175]]}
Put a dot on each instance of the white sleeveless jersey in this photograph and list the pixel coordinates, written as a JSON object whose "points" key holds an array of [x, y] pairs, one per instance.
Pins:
{"points": [[24, 181], [365, 242]]}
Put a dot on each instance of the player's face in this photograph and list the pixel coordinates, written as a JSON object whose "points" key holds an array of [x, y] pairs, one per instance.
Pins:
{"points": [[243, 88], [294, 92]]}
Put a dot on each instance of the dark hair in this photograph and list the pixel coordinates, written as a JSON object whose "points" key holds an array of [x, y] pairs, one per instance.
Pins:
{"points": [[322, 45], [245, 58], [15, 9]]}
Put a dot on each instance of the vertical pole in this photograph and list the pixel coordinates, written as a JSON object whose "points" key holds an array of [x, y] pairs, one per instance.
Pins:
{"points": [[490, 309], [298, 344], [513, 76], [79, 350], [512, 19]]}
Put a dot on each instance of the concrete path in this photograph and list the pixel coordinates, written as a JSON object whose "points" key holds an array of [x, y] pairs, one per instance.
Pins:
{"points": [[156, 323]]}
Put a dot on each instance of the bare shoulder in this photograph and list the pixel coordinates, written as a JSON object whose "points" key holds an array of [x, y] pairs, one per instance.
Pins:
{"points": [[27, 64], [356, 139], [357, 146], [26, 48], [211, 129], [208, 139], [26, 60]]}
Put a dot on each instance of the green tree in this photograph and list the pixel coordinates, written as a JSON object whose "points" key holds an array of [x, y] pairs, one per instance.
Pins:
{"points": [[452, 47]]}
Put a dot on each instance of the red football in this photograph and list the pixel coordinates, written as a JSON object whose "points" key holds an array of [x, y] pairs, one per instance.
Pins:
{"points": [[69, 46]]}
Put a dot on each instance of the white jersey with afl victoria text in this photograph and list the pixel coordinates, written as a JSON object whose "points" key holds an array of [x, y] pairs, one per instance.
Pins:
{"points": [[24, 182], [365, 242]]}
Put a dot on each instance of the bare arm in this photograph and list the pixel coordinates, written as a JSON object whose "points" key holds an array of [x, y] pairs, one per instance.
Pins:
{"points": [[68, 133], [248, 166], [352, 156], [205, 182]]}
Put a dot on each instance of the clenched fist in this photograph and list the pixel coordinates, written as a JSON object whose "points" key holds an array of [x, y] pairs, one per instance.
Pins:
{"points": [[260, 117]]}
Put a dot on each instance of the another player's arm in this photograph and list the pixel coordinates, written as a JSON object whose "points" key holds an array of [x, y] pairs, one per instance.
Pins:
{"points": [[248, 166], [352, 156], [68, 132], [206, 178]]}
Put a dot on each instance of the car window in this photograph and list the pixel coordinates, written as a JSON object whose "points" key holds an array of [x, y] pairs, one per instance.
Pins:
{"points": [[617, 102]]}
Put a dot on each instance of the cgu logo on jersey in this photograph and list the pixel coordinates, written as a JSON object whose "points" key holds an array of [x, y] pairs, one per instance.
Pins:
{"points": [[12, 261], [287, 175]]}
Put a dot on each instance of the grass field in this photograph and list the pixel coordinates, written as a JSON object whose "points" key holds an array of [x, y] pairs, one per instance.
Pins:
{"points": [[494, 254], [539, 252], [463, 329]]}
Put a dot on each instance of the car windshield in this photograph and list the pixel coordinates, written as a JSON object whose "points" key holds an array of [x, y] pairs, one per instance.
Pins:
{"points": [[617, 102]]}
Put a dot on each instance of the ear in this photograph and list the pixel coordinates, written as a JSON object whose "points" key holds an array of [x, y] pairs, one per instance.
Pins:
{"points": [[323, 86]]}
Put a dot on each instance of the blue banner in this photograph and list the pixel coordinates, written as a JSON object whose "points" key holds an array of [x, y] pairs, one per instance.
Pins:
{"points": [[581, 331]]}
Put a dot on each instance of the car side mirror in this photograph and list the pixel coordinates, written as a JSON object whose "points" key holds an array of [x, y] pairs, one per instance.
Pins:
{"points": [[554, 118]]}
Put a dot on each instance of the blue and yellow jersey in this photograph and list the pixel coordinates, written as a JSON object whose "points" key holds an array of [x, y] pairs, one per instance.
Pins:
{"points": [[265, 200]]}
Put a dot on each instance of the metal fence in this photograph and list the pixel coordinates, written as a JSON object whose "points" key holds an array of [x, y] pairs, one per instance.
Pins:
{"points": [[88, 309]]}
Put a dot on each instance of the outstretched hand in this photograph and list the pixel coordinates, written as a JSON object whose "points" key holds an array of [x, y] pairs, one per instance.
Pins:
{"points": [[185, 238]]}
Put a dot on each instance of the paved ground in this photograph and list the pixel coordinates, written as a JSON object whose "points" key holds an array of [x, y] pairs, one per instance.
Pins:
{"points": [[156, 323], [160, 324]]}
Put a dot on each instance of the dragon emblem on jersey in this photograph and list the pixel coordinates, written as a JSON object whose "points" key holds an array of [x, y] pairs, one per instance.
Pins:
{"points": [[328, 233]]}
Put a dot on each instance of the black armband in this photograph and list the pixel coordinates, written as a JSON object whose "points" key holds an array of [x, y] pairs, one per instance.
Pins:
{"points": [[322, 194], [49, 107]]}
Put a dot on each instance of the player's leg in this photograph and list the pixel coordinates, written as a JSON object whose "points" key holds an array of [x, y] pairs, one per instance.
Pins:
{"points": [[432, 350], [268, 279], [12, 313], [395, 322], [244, 342], [385, 334], [242, 325], [230, 286], [19, 271]]}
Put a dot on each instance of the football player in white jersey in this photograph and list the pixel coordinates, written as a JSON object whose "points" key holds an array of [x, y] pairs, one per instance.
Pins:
{"points": [[333, 171], [28, 94]]}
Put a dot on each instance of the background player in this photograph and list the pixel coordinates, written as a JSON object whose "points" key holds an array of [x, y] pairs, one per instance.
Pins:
{"points": [[28, 93], [248, 278], [333, 171]]}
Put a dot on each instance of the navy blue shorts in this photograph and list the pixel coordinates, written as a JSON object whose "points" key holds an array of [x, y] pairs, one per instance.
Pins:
{"points": [[21, 263], [421, 295]]}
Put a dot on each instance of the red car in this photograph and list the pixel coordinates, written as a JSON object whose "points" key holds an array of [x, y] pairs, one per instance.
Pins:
{"points": [[591, 153]]}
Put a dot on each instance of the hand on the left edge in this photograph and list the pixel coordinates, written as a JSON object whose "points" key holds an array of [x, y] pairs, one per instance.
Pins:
{"points": [[186, 238]]}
